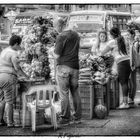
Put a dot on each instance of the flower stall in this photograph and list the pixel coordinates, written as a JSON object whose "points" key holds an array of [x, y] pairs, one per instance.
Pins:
{"points": [[39, 38], [97, 74], [35, 60]]}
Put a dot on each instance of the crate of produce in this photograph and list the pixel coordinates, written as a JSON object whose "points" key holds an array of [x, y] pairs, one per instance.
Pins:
{"points": [[86, 91]]}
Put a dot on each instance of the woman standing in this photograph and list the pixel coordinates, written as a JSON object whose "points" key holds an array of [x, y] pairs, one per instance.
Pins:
{"points": [[9, 68], [132, 46], [101, 42], [118, 47]]}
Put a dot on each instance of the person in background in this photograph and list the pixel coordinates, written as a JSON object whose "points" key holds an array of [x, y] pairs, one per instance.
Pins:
{"points": [[101, 42], [132, 46], [67, 71], [137, 39], [137, 35], [118, 47], [9, 68]]}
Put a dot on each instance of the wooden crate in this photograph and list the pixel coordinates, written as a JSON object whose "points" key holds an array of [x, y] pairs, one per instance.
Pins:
{"points": [[40, 118], [86, 92]]}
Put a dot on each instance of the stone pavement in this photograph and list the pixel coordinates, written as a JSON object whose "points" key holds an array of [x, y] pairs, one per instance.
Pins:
{"points": [[118, 123]]}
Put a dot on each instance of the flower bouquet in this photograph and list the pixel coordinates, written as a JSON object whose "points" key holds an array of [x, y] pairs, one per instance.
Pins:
{"points": [[38, 38], [101, 68]]}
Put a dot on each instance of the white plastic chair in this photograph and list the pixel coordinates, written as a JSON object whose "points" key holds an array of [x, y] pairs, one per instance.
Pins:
{"points": [[36, 104]]}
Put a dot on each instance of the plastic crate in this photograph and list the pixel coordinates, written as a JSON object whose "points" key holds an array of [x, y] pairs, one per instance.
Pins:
{"points": [[86, 92]]}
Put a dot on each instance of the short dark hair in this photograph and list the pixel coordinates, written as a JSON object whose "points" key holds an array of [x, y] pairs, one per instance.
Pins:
{"points": [[15, 39]]}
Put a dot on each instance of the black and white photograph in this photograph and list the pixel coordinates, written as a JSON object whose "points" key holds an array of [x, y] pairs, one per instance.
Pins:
{"points": [[69, 69]]}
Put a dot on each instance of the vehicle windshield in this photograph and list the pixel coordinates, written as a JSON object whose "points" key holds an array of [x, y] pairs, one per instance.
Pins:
{"points": [[87, 23]]}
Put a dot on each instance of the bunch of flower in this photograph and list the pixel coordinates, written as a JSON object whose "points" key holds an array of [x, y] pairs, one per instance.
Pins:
{"points": [[38, 38], [101, 63], [101, 68], [83, 60]]}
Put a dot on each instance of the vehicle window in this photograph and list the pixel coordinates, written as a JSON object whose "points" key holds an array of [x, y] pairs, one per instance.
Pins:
{"points": [[87, 23], [120, 21]]}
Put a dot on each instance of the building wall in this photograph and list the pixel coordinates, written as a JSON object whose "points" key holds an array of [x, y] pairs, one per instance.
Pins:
{"points": [[60, 7], [5, 28], [117, 7], [73, 7], [136, 9]]}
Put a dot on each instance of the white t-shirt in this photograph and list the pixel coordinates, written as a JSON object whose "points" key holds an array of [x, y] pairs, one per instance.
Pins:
{"points": [[118, 56], [6, 57], [100, 49]]}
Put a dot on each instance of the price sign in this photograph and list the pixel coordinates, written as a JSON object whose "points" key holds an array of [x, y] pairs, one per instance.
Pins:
{"points": [[23, 21]]}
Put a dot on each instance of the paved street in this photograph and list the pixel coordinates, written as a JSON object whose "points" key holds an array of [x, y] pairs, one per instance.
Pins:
{"points": [[118, 123]]}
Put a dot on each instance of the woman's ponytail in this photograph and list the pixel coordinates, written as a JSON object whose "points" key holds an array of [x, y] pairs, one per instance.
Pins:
{"points": [[115, 32], [121, 45]]}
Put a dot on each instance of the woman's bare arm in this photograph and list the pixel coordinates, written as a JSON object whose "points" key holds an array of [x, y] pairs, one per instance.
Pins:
{"points": [[15, 62], [107, 49]]}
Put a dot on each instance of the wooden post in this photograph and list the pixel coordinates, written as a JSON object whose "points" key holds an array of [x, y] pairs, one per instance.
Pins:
{"points": [[108, 96], [91, 101]]}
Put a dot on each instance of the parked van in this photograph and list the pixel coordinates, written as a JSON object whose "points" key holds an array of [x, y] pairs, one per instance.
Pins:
{"points": [[24, 19], [88, 23]]}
